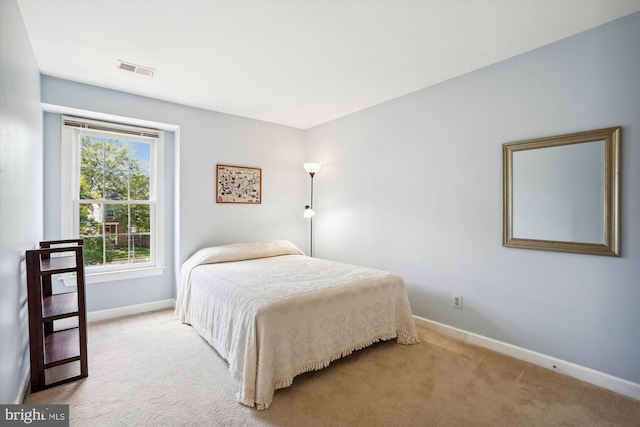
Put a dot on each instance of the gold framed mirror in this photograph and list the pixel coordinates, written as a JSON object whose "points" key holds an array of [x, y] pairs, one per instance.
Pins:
{"points": [[562, 193]]}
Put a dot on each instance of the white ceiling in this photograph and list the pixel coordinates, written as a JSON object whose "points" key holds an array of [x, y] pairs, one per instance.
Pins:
{"points": [[298, 63]]}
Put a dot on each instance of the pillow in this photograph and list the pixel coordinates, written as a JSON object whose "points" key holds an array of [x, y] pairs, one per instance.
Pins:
{"points": [[244, 251]]}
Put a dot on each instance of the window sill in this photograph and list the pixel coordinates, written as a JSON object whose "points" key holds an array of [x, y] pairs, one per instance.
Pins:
{"points": [[111, 276]]}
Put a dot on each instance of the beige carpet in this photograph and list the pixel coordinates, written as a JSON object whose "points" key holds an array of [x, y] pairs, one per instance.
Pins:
{"points": [[150, 370]]}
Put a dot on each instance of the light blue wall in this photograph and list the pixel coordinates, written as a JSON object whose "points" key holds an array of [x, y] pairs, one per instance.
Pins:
{"points": [[414, 186], [20, 193], [202, 139]]}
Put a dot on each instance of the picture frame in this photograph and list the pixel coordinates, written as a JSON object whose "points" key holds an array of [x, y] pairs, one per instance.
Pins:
{"points": [[238, 184], [562, 193]]}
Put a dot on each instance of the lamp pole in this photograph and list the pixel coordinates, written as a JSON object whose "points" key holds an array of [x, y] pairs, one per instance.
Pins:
{"points": [[312, 168], [311, 219]]}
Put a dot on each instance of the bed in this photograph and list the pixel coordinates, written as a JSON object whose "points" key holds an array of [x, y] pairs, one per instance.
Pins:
{"points": [[274, 313]]}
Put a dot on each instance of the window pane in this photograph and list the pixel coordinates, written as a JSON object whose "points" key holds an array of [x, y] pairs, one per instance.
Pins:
{"points": [[117, 217], [140, 247], [141, 157], [91, 216], [116, 155], [116, 226], [93, 250], [116, 170], [116, 184], [140, 170], [139, 186], [91, 168], [117, 249], [140, 219]]}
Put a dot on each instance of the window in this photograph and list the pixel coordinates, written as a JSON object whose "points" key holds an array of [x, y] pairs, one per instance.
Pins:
{"points": [[112, 197]]}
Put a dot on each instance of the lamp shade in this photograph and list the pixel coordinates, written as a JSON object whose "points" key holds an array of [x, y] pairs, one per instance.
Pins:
{"points": [[308, 212], [312, 167]]}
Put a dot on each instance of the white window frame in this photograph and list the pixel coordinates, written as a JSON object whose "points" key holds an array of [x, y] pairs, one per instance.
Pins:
{"points": [[70, 191]]}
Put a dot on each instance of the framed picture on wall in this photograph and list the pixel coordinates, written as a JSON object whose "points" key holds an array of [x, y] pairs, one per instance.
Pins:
{"points": [[238, 184]]}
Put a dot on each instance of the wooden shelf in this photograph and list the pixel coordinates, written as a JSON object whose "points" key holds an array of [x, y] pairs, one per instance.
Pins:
{"points": [[59, 306], [49, 348], [61, 347], [64, 264]]}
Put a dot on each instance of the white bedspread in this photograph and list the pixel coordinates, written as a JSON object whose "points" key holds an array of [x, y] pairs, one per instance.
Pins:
{"points": [[275, 317]]}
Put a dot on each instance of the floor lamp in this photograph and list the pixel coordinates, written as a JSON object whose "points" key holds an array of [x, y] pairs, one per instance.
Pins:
{"points": [[312, 168]]}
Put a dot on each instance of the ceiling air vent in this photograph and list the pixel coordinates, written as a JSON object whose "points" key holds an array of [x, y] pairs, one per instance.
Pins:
{"points": [[136, 70]]}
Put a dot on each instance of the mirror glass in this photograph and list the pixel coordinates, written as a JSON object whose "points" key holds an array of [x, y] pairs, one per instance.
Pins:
{"points": [[562, 193], [558, 193]]}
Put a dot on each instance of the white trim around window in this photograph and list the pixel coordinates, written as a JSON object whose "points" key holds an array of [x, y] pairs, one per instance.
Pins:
{"points": [[70, 173]]}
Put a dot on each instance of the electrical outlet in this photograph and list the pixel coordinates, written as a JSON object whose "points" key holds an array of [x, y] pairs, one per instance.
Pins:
{"points": [[456, 301]]}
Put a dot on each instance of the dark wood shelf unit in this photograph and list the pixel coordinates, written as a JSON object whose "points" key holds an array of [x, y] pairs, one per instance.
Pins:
{"points": [[50, 348]]}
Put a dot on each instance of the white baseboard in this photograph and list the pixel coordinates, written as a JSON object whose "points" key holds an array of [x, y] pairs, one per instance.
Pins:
{"points": [[96, 316], [589, 375]]}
